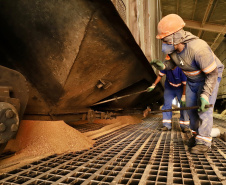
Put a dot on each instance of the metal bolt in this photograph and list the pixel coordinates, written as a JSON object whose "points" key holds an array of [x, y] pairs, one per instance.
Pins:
{"points": [[9, 113], [14, 127], [99, 85], [2, 127]]}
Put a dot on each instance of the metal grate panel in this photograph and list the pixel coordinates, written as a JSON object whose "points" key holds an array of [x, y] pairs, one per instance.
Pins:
{"points": [[135, 154]]}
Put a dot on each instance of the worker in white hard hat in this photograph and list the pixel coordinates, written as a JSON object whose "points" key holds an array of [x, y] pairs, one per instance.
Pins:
{"points": [[203, 70]]}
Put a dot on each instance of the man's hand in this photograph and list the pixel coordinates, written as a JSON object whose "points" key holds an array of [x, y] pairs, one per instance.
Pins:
{"points": [[151, 88], [183, 101], [204, 101], [157, 64], [146, 111]]}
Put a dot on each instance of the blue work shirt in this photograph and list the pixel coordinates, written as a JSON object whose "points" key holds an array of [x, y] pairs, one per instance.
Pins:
{"points": [[174, 78]]}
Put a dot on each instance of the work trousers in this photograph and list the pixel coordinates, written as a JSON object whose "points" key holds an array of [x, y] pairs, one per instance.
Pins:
{"points": [[169, 95], [200, 122]]}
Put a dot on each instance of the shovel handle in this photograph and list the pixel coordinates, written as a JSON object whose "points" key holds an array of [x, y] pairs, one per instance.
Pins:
{"points": [[177, 109]]}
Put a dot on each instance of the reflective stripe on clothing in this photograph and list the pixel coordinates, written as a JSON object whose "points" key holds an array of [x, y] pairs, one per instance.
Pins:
{"points": [[194, 132], [166, 121], [169, 94], [201, 122], [185, 122], [161, 74], [184, 82], [206, 139], [210, 68], [174, 77], [192, 73], [174, 85]]}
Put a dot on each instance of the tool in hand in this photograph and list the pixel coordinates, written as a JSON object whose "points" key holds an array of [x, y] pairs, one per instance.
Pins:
{"points": [[117, 98], [178, 109]]}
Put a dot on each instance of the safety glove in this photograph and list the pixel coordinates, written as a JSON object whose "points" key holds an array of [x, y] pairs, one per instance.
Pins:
{"points": [[151, 88], [204, 101], [157, 64], [183, 101]]}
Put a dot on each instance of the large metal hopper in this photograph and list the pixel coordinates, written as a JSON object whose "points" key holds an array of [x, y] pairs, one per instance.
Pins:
{"points": [[73, 54]]}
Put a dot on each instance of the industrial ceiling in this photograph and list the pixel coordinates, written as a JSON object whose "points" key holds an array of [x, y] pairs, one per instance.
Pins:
{"points": [[204, 18]]}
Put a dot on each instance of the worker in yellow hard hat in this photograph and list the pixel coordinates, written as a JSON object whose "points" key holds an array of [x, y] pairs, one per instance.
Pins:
{"points": [[203, 70]]}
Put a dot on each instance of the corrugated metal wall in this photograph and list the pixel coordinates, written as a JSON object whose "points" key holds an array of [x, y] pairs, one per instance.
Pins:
{"points": [[142, 17]]}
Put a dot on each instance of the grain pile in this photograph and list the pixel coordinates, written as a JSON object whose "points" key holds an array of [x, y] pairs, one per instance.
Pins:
{"points": [[122, 119], [37, 138], [113, 124]]}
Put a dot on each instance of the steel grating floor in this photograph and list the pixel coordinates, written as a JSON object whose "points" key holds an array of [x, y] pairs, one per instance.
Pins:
{"points": [[86, 127], [135, 154]]}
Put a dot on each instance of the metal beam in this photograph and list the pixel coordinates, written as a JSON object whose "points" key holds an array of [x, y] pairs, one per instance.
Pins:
{"points": [[207, 27], [194, 8], [217, 42], [205, 16], [178, 7]]}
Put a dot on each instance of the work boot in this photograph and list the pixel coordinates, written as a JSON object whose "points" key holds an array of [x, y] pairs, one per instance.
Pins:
{"points": [[165, 129], [200, 149], [186, 130], [191, 142]]}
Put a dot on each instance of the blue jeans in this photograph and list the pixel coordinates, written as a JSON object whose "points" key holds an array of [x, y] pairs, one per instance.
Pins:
{"points": [[200, 122], [169, 95]]}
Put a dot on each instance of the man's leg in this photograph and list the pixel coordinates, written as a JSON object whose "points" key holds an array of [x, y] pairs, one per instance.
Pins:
{"points": [[203, 139], [191, 97], [168, 98], [184, 119], [205, 128]]}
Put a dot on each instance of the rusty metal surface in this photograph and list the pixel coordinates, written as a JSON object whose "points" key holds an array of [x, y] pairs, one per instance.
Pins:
{"points": [[66, 48], [13, 89], [117, 98]]}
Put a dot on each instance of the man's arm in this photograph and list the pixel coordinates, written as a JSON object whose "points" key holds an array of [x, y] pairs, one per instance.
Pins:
{"points": [[183, 97], [157, 80], [151, 88], [210, 81], [184, 89], [206, 61], [167, 65]]}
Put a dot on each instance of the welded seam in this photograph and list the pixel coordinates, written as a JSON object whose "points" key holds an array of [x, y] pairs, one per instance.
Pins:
{"points": [[80, 46]]}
